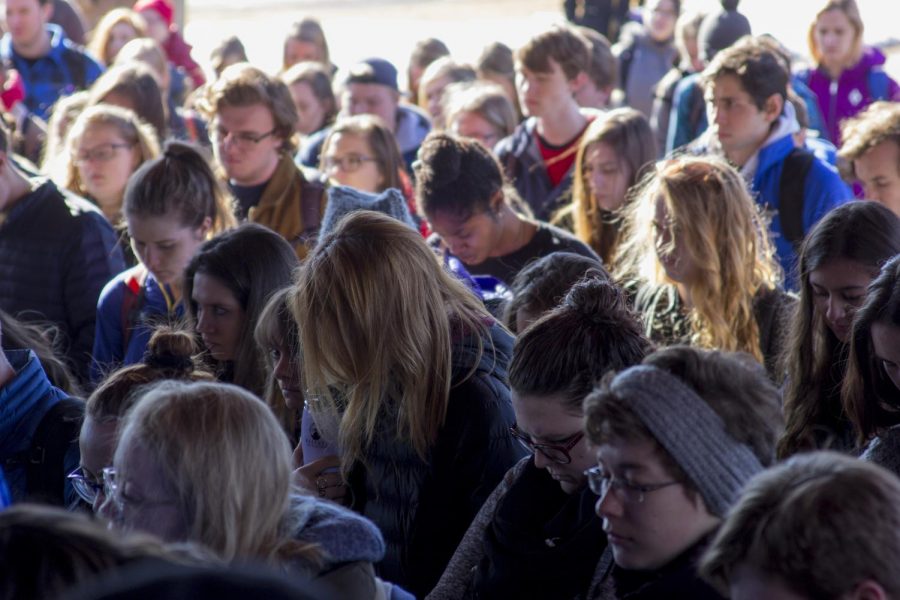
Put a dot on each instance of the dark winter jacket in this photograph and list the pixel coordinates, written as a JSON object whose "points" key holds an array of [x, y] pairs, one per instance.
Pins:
{"points": [[58, 252], [424, 508]]}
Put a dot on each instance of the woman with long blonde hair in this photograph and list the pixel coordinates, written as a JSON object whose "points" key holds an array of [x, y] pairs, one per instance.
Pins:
{"points": [[696, 252], [412, 366]]}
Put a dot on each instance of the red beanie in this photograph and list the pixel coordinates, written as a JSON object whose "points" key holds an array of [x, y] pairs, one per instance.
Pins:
{"points": [[163, 7]]}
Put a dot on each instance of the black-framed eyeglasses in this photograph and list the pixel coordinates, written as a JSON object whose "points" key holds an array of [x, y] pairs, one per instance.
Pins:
{"points": [[601, 482], [558, 453], [85, 486], [241, 139]]}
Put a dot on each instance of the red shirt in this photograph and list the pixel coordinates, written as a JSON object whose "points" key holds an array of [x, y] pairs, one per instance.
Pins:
{"points": [[559, 159]]}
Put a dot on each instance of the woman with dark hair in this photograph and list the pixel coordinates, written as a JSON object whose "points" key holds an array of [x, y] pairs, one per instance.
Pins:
{"points": [[537, 536], [227, 284], [462, 191], [172, 204], [133, 86], [838, 260], [310, 87], [408, 363], [871, 388]]}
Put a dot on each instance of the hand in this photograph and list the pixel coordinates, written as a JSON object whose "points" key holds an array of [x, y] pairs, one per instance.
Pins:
{"points": [[323, 478]]}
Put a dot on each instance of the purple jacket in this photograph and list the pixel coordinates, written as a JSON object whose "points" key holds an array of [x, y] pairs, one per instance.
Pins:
{"points": [[856, 88]]}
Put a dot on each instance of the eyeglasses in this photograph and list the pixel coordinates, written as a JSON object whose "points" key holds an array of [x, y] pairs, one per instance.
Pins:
{"points": [[101, 153], [348, 164], [601, 482], [243, 140], [558, 453], [113, 492], [85, 486]]}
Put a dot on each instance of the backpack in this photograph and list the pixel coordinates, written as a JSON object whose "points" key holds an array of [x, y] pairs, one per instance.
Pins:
{"points": [[44, 461], [77, 71], [790, 194]]}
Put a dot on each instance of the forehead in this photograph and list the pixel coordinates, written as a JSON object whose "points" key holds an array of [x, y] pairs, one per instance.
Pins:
{"points": [[99, 132], [465, 121], [841, 273], [884, 157], [601, 152], [727, 85], [20, 5], [209, 289], [249, 118], [369, 91], [348, 142], [636, 453], [553, 68], [834, 19]]}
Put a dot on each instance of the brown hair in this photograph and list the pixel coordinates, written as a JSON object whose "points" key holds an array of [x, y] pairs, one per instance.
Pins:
{"points": [[317, 78], [604, 70], [308, 30], [138, 83], [487, 100], [878, 123], [243, 84], [851, 11], [99, 46], [821, 523], [381, 142], [758, 66], [562, 44]]}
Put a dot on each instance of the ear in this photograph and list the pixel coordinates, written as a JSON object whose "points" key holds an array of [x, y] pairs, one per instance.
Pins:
{"points": [[496, 202], [772, 107], [204, 229], [47, 10], [577, 82], [868, 590]]}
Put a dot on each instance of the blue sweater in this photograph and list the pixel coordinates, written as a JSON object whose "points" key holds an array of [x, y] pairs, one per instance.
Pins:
{"points": [[23, 403], [109, 353], [66, 68]]}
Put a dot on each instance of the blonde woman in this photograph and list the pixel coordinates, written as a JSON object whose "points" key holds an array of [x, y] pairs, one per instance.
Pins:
{"points": [[105, 145], [117, 27], [414, 368], [207, 463], [613, 154], [696, 253]]}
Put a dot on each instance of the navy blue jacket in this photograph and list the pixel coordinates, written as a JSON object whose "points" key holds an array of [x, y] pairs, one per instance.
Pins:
{"points": [[58, 251]]}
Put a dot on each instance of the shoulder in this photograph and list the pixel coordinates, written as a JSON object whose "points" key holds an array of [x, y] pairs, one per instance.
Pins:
{"points": [[884, 450], [556, 239], [516, 142], [116, 288]]}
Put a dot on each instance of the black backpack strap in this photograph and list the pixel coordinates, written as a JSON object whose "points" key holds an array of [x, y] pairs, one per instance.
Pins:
{"points": [[790, 196], [45, 474], [77, 69]]}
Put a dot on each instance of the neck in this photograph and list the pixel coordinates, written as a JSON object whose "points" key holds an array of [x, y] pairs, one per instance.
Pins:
{"points": [[264, 177], [515, 232], [834, 69], [7, 373], [17, 187], [561, 126], [36, 48]]}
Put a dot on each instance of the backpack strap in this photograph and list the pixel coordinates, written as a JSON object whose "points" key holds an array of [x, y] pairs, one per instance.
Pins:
{"points": [[312, 193], [132, 305], [77, 70], [878, 82], [44, 464], [790, 197]]}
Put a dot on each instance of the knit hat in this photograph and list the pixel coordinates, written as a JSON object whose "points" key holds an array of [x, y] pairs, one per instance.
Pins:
{"points": [[721, 29], [374, 70], [691, 432], [343, 200], [163, 7]]}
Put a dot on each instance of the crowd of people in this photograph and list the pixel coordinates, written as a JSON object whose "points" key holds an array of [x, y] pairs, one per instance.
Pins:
{"points": [[613, 314]]}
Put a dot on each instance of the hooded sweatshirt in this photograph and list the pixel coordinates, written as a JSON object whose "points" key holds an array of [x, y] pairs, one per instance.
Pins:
{"points": [[643, 62]]}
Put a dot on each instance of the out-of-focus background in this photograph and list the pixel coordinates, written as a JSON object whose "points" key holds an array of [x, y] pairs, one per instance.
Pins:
{"points": [[360, 28]]}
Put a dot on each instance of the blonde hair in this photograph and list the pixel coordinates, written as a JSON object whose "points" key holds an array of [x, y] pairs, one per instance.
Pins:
{"points": [[851, 11], [99, 46], [228, 461], [628, 133], [347, 357], [725, 236], [127, 125]]}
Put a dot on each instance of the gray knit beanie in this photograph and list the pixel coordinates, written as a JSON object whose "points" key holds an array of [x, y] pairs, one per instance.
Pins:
{"points": [[343, 200], [691, 432], [721, 29]]}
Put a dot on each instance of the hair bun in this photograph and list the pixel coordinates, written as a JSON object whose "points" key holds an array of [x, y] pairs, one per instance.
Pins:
{"points": [[171, 349], [443, 150], [597, 300]]}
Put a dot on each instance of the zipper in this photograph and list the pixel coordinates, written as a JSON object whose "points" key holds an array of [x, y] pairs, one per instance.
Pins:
{"points": [[832, 107]]}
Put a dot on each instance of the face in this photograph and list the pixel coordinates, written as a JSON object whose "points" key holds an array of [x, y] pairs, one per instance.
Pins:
{"points": [[834, 37], [220, 316], [120, 34], [606, 176], [886, 343], [296, 51], [879, 171], [25, 20], [310, 111], [546, 420], [839, 288], [749, 583], [738, 124], [349, 161], [156, 25], [287, 374], [372, 99], [472, 125], [660, 17], [471, 240], [105, 160], [434, 93], [246, 162], [146, 498], [97, 443], [164, 245], [542, 94], [647, 535], [671, 249]]}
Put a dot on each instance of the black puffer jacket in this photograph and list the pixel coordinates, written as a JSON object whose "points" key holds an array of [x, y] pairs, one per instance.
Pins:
{"points": [[57, 251], [424, 508]]}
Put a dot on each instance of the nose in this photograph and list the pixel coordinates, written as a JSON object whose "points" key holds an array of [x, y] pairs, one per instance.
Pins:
{"points": [[151, 259], [836, 309], [106, 508], [541, 461], [283, 368], [203, 322], [608, 505]]}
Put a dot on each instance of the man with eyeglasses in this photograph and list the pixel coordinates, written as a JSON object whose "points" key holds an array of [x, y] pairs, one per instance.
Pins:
{"points": [[58, 252], [677, 438], [253, 122]]}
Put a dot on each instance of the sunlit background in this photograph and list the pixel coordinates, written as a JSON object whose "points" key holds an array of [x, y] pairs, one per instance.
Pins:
{"points": [[360, 28]]}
